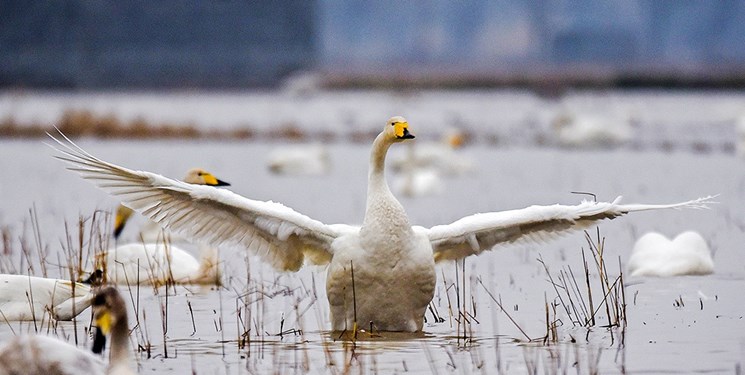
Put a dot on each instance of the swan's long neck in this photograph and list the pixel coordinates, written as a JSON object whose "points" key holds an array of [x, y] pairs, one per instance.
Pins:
{"points": [[120, 343], [384, 214]]}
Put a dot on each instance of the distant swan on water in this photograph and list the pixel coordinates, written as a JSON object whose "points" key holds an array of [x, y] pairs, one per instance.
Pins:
{"points": [[392, 261], [656, 255]]}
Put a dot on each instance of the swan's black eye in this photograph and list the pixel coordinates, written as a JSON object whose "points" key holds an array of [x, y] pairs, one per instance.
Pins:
{"points": [[393, 124]]}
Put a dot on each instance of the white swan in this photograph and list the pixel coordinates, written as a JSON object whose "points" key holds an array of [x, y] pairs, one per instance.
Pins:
{"points": [[43, 355], [160, 262], [37, 298], [655, 255], [300, 160], [380, 274], [153, 258], [443, 156], [591, 130]]}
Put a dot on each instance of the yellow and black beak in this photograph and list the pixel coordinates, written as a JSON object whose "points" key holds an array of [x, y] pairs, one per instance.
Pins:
{"points": [[402, 130], [99, 341], [122, 215], [211, 180], [102, 322]]}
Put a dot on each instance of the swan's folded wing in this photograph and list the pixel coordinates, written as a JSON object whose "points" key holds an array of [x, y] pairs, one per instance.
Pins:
{"points": [[477, 233], [278, 234]]}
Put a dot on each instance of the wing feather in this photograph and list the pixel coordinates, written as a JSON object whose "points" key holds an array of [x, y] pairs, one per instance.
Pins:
{"points": [[480, 232], [271, 230]]}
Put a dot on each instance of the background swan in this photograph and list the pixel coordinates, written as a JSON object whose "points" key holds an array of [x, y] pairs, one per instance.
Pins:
{"points": [[445, 156], [656, 255], [591, 129], [393, 263], [37, 298], [43, 355], [300, 160], [153, 258]]}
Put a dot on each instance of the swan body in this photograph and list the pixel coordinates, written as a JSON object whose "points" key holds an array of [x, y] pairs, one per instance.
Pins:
{"points": [[381, 273], [591, 130], [307, 160], [34, 298], [419, 183], [656, 255], [43, 355], [159, 263]]}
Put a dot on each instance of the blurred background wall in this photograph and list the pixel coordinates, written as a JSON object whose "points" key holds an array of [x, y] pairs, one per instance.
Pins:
{"points": [[233, 44]]}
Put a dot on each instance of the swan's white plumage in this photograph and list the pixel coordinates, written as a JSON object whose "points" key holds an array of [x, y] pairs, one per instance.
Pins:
{"points": [[153, 258], [35, 298], [656, 255], [591, 129], [159, 263], [304, 160], [393, 262], [43, 355]]}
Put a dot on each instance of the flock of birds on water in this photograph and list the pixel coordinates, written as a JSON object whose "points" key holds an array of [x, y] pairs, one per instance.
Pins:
{"points": [[385, 255]]}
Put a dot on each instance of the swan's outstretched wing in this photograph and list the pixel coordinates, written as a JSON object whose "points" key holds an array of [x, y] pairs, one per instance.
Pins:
{"points": [[477, 233], [280, 235]]}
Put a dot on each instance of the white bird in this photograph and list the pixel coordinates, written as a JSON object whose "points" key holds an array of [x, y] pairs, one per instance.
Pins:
{"points": [[591, 130], [160, 263], [37, 298], [418, 182], [43, 355], [656, 255], [380, 274], [300, 160], [153, 258], [443, 157]]}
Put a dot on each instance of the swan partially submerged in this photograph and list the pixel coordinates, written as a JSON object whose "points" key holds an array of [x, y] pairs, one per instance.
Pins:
{"points": [[656, 255], [381, 273]]}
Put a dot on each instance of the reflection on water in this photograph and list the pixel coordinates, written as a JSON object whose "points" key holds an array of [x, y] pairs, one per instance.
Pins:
{"points": [[263, 321]]}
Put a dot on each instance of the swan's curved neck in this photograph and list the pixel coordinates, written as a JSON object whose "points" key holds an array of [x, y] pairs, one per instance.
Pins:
{"points": [[383, 212], [120, 343]]}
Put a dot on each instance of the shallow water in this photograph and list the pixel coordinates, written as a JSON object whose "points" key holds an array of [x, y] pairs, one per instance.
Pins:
{"points": [[675, 325]]}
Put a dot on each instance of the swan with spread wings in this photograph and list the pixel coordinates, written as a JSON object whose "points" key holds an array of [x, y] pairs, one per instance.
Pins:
{"points": [[393, 262]]}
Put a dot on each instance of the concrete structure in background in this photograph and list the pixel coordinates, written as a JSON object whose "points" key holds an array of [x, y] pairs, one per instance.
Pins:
{"points": [[232, 43]]}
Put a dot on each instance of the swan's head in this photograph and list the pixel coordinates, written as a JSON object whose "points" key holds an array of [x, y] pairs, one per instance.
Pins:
{"points": [[397, 129], [201, 177], [109, 310]]}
